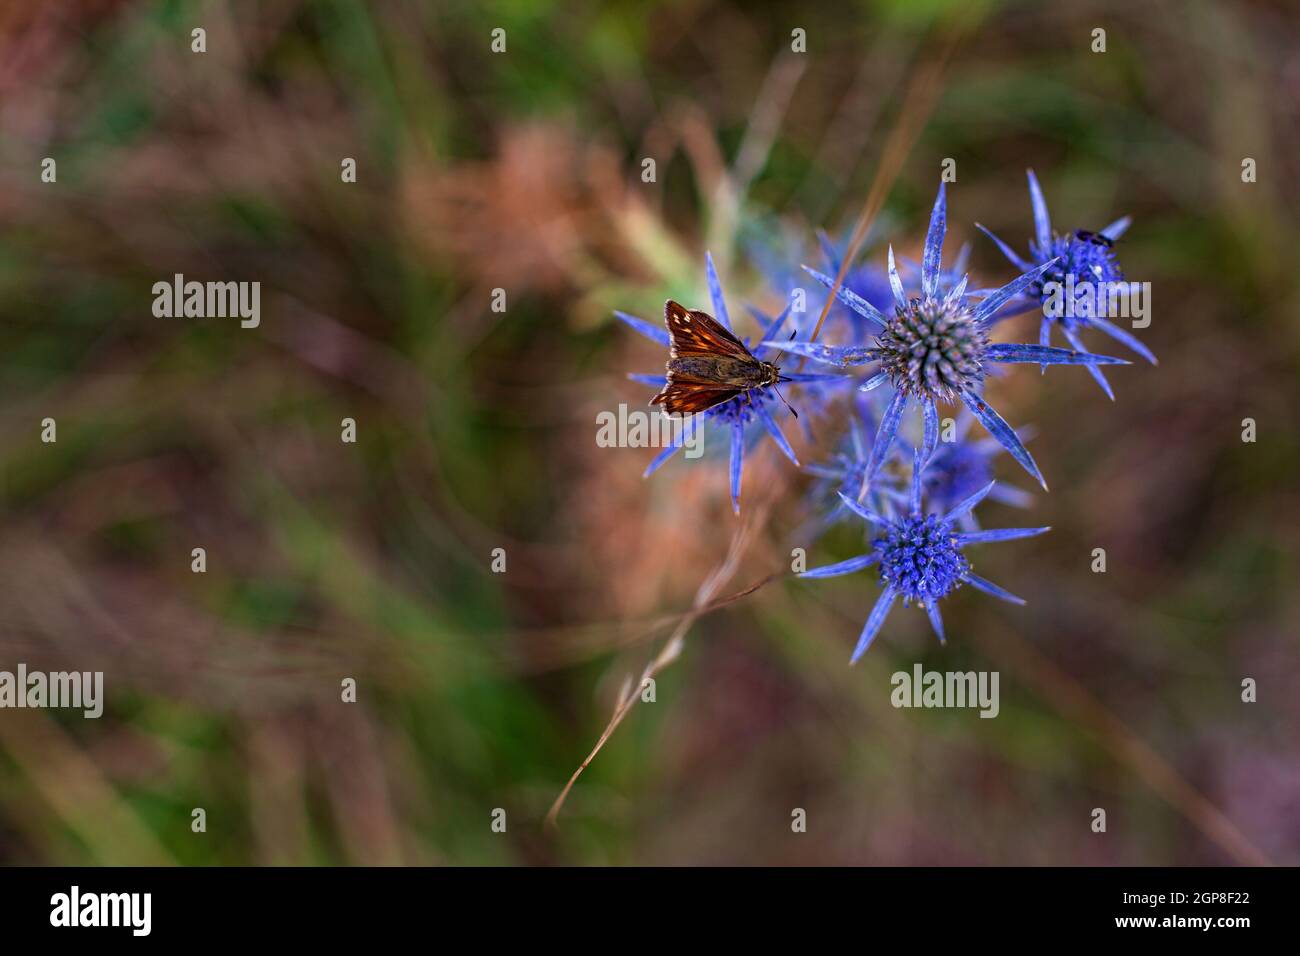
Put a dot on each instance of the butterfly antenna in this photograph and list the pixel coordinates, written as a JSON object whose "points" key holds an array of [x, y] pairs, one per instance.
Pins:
{"points": [[787, 404]]}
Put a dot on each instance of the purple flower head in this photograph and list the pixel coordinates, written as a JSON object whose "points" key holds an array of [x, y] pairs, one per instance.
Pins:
{"points": [[935, 348], [921, 557], [1086, 266], [755, 405]]}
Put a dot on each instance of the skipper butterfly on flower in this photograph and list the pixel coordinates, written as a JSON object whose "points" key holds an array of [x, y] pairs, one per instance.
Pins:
{"points": [[707, 364]]}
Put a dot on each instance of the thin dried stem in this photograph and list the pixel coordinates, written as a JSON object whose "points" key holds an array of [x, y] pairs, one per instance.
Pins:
{"points": [[631, 693], [918, 102], [573, 649]]}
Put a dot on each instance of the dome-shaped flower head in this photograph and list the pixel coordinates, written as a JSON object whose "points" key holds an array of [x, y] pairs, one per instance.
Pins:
{"points": [[935, 348], [1086, 265], [921, 557], [735, 415]]}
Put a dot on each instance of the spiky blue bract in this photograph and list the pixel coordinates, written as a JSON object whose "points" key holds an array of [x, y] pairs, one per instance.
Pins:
{"points": [[715, 292], [1004, 433], [850, 298], [1050, 355], [654, 333], [865, 281], [933, 250]]}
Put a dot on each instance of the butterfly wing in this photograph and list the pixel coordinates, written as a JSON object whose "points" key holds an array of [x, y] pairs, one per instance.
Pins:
{"points": [[690, 397], [698, 333]]}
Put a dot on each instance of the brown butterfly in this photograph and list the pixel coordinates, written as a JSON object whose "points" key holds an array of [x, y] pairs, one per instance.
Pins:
{"points": [[707, 365]]}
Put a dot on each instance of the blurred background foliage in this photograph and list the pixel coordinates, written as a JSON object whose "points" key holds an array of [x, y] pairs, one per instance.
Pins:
{"points": [[521, 171]]}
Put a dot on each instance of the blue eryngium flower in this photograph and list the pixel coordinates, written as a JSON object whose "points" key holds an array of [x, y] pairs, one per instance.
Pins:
{"points": [[736, 414], [1093, 263], [936, 349], [921, 558]]}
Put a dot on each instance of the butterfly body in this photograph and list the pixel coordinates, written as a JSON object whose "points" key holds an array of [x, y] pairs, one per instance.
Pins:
{"points": [[725, 370], [707, 364]]}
